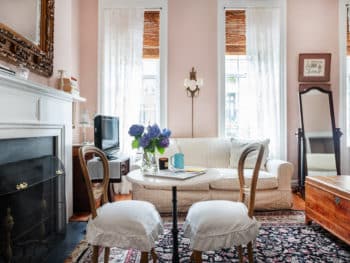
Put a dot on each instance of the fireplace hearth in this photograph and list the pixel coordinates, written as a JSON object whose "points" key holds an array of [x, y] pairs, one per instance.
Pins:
{"points": [[32, 198]]}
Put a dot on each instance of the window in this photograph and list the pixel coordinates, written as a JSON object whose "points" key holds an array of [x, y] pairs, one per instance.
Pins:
{"points": [[251, 72], [133, 63], [150, 96], [235, 80], [150, 105], [235, 67]]}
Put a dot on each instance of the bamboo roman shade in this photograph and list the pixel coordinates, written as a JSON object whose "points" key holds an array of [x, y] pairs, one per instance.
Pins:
{"points": [[151, 34], [235, 27]]}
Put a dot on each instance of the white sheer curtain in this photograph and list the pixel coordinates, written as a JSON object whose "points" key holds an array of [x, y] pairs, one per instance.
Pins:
{"points": [[259, 104], [121, 71]]}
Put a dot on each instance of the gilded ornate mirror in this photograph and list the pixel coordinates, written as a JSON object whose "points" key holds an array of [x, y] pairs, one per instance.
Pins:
{"points": [[26, 34], [319, 151]]}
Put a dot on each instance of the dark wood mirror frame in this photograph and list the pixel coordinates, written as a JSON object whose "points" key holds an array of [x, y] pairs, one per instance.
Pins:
{"points": [[16, 49], [302, 163]]}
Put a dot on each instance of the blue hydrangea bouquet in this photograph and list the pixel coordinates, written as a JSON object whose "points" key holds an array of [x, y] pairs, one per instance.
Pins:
{"points": [[150, 138]]}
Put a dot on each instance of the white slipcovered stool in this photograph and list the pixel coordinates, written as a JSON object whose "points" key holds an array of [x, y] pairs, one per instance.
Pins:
{"points": [[217, 224], [212, 225], [123, 224]]}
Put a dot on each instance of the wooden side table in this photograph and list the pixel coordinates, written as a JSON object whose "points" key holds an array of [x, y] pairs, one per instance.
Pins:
{"points": [[80, 196], [327, 202]]}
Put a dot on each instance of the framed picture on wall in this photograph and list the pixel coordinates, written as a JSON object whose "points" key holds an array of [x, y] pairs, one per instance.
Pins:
{"points": [[314, 67]]}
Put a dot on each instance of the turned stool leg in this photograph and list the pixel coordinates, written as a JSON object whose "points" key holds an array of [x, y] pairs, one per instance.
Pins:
{"points": [[250, 252], [144, 257], [106, 258], [95, 254], [240, 253], [197, 256]]}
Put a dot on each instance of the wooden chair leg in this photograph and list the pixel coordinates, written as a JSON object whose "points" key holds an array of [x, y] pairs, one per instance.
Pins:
{"points": [[250, 252], [106, 258], [196, 256], [154, 255], [240, 253], [95, 254], [144, 257]]}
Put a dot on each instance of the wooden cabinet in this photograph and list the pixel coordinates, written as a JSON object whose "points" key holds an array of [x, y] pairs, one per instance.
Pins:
{"points": [[80, 196], [327, 202]]}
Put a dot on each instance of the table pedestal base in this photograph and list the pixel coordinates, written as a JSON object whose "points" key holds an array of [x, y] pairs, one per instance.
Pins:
{"points": [[175, 229]]}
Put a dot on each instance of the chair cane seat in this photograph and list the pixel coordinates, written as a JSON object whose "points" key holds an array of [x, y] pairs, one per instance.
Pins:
{"points": [[212, 225], [125, 224]]}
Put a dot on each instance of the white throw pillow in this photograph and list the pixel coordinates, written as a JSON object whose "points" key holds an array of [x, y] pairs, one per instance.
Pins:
{"points": [[238, 146]]}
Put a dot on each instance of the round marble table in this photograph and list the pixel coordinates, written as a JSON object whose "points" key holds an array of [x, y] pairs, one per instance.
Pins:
{"points": [[137, 177]]}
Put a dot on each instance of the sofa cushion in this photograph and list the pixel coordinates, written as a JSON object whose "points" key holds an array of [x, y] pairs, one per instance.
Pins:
{"points": [[238, 146], [206, 152], [230, 180]]}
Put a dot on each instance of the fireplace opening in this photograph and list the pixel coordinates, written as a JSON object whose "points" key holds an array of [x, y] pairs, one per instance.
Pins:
{"points": [[32, 198]]}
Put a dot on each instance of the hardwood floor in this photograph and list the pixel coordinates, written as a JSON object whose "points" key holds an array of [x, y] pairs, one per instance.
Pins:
{"points": [[298, 202]]}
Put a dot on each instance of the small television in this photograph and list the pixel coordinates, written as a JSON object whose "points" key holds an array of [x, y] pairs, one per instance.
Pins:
{"points": [[106, 134]]}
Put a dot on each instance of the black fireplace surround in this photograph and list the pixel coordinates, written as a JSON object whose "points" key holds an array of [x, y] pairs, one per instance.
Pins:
{"points": [[32, 199]]}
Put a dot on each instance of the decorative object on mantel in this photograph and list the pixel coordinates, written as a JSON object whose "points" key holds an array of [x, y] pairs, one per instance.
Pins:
{"points": [[149, 140], [61, 76], [193, 86], [71, 86], [314, 67], [66, 84], [22, 71]]}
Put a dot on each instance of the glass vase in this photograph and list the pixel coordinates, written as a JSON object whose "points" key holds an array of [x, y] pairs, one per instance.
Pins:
{"points": [[149, 163]]}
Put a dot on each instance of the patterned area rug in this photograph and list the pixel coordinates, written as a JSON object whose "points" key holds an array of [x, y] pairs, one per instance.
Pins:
{"points": [[283, 237]]}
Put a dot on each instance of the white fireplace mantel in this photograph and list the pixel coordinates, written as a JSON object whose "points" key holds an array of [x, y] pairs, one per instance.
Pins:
{"points": [[30, 86], [28, 109]]}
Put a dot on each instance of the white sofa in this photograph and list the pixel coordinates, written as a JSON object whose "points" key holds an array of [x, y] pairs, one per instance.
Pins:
{"points": [[274, 182]]}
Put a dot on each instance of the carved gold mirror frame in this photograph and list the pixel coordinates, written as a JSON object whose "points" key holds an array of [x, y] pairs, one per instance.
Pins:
{"points": [[16, 49]]}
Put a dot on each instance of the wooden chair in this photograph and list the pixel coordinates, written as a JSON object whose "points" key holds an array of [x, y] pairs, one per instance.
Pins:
{"points": [[123, 224], [218, 224]]}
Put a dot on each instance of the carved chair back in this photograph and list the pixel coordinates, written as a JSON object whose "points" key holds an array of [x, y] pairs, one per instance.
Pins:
{"points": [[83, 152], [249, 190]]}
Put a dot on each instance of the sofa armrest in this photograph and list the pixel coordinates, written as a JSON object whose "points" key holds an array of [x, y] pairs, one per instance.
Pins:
{"points": [[284, 172]]}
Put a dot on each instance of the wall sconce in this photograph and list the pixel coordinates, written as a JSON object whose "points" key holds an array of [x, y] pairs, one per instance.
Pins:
{"points": [[193, 86]]}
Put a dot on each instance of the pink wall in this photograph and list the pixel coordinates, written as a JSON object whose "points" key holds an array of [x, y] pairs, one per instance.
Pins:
{"points": [[88, 56], [192, 37], [312, 26]]}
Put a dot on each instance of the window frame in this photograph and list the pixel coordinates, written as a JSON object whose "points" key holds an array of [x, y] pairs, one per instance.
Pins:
{"points": [[243, 4], [161, 5]]}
